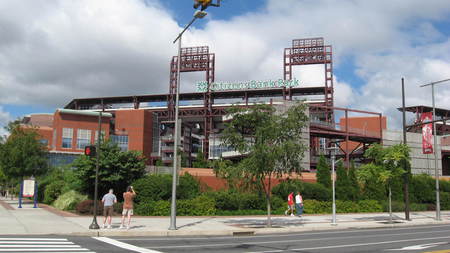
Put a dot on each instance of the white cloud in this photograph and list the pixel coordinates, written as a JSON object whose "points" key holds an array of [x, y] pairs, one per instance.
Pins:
{"points": [[54, 51], [5, 117]]}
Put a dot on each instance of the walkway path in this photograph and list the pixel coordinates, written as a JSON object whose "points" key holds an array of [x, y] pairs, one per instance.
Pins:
{"points": [[29, 220]]}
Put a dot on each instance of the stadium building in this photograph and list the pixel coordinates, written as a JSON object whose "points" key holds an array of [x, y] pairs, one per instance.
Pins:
{"points": [[146, 122]]}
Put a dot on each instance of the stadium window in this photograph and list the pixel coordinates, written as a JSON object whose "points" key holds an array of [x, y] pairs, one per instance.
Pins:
{"points": [[83, 138], [67, 138]]}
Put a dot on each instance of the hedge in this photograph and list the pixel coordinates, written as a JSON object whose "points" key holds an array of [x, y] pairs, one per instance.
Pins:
{"points": [[155, 187], [199, 206]]}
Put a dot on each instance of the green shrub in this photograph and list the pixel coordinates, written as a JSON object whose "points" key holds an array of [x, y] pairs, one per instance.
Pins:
{"points": [[153, 187], [422, 189], [370, 206], [284, 188], [347, 206], [199, 206], [68, 200], [316, 191], [444, 185], [53, 190], [188, 188], [232, 200], [321, 207], [445, 200], [241, 212], [156, 187], [311, 206], [399, 206]]}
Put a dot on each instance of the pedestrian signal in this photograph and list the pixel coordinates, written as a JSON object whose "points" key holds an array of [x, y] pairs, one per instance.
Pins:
{"points": [[90, 151]]}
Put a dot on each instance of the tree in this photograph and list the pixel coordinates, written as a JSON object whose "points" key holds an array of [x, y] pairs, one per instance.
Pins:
{"points": [[323, 172], [386, 166], [200, 161], [22, 154], [353, 190], [342, 181], [271, 142], [117, 169]]}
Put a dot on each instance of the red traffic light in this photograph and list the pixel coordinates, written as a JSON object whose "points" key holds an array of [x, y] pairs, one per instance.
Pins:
{"points": [[90, 151]]}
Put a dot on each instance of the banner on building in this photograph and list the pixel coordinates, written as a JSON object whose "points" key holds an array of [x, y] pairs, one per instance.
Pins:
{"points": [[427, 132]]}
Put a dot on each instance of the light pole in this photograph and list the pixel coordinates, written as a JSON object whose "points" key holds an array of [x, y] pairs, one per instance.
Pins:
{"points": [[173, 207], [94, 224], [333, 182], [407, 171], [436, 173]]}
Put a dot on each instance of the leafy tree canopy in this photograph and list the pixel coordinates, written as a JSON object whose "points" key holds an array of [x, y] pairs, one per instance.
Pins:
{"points": [[117, 169], [22, 154], [271, 141]]}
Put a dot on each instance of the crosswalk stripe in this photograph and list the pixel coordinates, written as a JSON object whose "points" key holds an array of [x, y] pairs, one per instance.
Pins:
{"points": [[32, 239], [38, 246], [54, 245], [47, 250], [33, 242]]}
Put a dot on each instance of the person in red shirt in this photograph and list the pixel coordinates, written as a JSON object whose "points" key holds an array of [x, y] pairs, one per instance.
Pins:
{"points": [[290, 204], [128, 197]]}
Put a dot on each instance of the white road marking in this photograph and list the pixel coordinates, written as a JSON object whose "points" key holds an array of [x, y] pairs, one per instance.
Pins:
{"points": [[32, 239], [14, 244], [360, 244], [281, 235], [37, 246], [31, 242], [83, 250], [125, 245], [422, 246], [293, 240]]}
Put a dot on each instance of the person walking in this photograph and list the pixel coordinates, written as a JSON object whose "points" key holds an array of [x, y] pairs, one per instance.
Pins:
{"points": [[108, 201], [128, 197], [299, 204], [290, 204]]}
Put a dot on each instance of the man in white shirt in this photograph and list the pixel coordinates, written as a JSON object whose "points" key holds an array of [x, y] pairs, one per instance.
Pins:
{"points": [[299, 204]]}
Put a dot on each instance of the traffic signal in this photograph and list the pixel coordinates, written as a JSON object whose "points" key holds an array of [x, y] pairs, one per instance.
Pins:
{"points": [[90, 151]]}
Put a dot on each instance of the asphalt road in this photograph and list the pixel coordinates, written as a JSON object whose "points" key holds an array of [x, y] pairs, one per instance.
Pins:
{"points": [[434, 238], [406, 239]]}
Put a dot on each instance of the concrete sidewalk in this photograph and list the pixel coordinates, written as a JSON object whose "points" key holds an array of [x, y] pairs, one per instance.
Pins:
{"points": [[29, 220]]}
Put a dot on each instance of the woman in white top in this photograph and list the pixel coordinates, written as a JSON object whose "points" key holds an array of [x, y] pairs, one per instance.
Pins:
{"points": [[299, 204]]}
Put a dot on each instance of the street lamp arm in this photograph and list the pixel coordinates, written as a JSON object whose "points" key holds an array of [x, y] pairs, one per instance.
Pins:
{"points": [[184, 30], [433, 83]]}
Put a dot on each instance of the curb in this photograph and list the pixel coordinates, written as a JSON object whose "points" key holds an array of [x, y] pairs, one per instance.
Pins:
{"points": [[246, 232]]}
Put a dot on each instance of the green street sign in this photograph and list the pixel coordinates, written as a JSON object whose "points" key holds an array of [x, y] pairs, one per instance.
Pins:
{"points": [[246, 85]]}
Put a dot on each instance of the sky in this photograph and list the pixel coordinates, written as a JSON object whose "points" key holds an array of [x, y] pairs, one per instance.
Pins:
{"points": [[54, 51]]}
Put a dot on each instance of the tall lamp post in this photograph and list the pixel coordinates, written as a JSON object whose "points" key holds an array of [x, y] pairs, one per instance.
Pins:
{"points": [[436, 173], [333, 182], [407, 170], [173, 207], [94, 224]]}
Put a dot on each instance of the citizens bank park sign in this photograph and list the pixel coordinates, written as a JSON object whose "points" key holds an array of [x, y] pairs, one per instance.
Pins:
{"points": [[222, 86]]}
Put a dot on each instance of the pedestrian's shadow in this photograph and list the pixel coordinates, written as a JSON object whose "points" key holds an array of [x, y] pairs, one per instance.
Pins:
{"points": [[194, 223]]}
